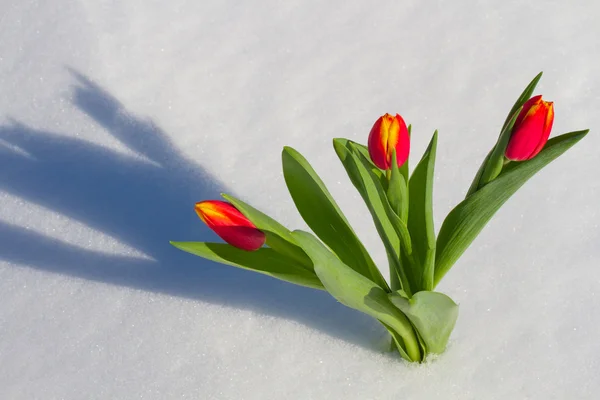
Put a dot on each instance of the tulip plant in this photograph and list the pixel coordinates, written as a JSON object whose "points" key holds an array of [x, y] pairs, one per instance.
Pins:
{"points": [[332, 258]]}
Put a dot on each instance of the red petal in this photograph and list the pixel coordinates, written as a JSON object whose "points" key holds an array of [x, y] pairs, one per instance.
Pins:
{"points": [[377, 147], [230, 224], [526, 107], [547, 128], [403, 142], [529, 133]]}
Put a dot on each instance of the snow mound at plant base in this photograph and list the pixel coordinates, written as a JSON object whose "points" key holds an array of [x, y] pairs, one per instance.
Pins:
{"points": [[116, 118]]}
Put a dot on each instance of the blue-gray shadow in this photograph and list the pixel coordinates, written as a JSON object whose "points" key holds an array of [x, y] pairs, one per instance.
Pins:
{"points": [[143, 202]]}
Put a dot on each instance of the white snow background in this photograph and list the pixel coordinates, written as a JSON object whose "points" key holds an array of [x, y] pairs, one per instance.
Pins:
{"points": [[117, 116]]}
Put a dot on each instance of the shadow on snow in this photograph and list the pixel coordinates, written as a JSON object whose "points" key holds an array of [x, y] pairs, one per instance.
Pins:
{"points": [[143, 202]]}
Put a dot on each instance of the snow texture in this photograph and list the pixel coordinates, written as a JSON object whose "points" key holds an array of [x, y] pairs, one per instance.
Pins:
{"points": [[116, 116]]}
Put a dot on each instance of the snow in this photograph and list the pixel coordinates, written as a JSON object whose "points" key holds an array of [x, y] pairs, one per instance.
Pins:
{"points": [[115, 117]]}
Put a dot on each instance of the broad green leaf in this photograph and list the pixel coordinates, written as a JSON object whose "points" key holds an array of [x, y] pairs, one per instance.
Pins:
{"points": [[356, 291], [288, 249], [279, 238], [433, 314], [397, 191], [391, 229], [264, 261], [422, 345], [324, 217], [420, 218], [468, 218], [341, 143]]}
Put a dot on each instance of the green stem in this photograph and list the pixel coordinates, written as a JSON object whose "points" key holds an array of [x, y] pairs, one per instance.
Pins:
{"points": [[400, 324], [412, 347]]}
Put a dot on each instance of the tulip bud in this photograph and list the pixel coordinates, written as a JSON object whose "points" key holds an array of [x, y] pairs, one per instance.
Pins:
{"points": [[389, 133], [531, 130], [230, 224]]}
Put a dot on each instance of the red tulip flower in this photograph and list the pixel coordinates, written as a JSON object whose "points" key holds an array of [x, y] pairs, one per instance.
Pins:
{"points": [[388, 134], [531, 130], [230, 224]]}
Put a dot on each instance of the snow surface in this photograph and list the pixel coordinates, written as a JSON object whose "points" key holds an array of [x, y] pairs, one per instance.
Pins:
{"points": [[116, 116]]}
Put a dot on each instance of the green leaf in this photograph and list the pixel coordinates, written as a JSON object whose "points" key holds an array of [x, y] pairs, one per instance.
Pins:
{"points": [[374, 195], [398, 342], [324, 217], [364, 150], [396, 270], [495, 162], [391, 229], [264, 261], [356, 291], [433, 315], [525, 95], [420, 218], [279, 238], [397, 191], [468, 218], [342, 144], [475, 184]]}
